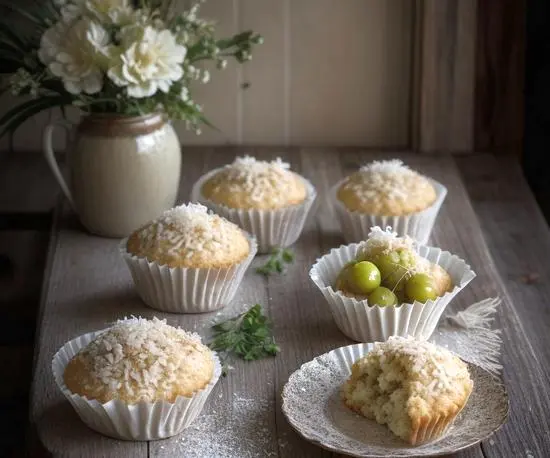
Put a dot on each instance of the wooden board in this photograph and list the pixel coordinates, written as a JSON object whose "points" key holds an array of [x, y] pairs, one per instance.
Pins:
{"points": [[90, 287]]}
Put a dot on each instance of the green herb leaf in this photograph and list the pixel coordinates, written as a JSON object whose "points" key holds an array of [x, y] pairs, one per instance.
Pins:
{"points": [[247, 336], [276, 262]]}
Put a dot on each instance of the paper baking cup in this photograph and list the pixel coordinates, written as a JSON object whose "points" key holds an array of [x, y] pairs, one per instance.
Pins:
{"points": [[356, 226], [143, 421], [272, 228], [365, 323], [185, 289]]}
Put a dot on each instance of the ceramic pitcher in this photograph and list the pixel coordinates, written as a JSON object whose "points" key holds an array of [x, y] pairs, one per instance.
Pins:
{"points": [[122, 171]]}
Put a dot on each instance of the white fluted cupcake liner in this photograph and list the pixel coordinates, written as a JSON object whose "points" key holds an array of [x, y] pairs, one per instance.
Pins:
{"points": [[364, 323], [356, 226], [272, 228], [142, 421], [185, 289]]}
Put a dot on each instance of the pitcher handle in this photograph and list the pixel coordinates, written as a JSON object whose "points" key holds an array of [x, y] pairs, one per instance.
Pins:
{"points": [[50, 156]]}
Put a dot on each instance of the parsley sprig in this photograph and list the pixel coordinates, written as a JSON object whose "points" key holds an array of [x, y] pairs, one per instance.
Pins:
{"points": [[276, 262], [247, 336]]}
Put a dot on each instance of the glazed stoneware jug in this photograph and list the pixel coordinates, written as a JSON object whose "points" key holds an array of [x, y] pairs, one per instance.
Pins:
{"points": [[122, 171]]}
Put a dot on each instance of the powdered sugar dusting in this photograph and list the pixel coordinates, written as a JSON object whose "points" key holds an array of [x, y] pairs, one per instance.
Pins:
{"points": [[238, 428]]}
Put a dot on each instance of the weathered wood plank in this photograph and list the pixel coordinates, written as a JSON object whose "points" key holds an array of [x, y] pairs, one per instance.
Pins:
{"points": [[518, 238], [238, 419], [457, 230]]}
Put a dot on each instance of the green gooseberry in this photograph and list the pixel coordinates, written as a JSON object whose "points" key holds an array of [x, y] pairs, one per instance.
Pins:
{"points": [[393, 268], [383, 297], [342, 281], [364, 277], [421, 288]]}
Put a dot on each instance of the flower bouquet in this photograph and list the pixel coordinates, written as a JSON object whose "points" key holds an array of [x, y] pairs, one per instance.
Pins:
{"points": [[128, 57]]}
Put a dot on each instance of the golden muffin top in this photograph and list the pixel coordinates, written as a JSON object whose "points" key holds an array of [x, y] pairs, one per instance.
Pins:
{"points": [[432, 373], [190, 236], [248, 183], [386, 188], [140, 360]]}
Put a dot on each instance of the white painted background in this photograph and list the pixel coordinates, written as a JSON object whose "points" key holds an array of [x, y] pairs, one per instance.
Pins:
{"points": [[330, 72]]}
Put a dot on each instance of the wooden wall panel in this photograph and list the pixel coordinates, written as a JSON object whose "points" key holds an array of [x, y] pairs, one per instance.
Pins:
{"points": [[500, 73], [331, 72], [445, 105], [350, 72]]}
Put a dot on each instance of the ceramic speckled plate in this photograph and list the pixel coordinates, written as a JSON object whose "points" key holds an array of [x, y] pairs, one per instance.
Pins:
{"points": [[312, 405]]}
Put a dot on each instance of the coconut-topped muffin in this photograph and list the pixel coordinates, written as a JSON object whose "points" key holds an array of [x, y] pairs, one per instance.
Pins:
{"points": [[413, 386], [388, 270], [386, 188], [251, 184], [190, 236], [140, 360]]}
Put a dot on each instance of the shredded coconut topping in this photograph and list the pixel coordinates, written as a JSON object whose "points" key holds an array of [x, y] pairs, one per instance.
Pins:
{"points": [[261, 179], [142, 358], [390, 178], [381, 241], [434, 367], [191, 227]]}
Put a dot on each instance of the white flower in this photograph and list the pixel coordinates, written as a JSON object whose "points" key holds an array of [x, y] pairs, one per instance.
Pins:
{"points": [[77, 54], [184, 94], [150, 61], [205, 77]]}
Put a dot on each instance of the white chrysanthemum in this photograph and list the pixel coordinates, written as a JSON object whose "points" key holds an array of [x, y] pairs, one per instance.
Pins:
{"points": [[150, 60], [77, 53]]}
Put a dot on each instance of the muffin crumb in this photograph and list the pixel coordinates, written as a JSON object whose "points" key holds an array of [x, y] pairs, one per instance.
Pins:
{"points": [[411, 386]]}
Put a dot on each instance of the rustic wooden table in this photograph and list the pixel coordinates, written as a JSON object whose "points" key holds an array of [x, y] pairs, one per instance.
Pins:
{"points": [[489, 218]]}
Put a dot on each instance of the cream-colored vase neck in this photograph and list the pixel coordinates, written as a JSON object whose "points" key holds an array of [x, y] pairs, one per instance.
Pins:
{"points": [[123, 171]]}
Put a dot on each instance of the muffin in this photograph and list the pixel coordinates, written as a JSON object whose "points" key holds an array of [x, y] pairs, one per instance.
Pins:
{"points": [[138, 380], [387, 271], [386, 193], [248, 183], [388, 285], [413, 387], [265, 198], [188, 260]]}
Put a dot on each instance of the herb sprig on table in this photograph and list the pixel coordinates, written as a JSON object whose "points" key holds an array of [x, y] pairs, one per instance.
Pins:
{"points": [[276, 262], [247, 336]]}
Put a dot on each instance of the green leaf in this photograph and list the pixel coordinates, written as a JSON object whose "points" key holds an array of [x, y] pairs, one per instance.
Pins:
{"points": [[249, 337], [24, 13], [21, 113], [276, 262], [288, 256]]}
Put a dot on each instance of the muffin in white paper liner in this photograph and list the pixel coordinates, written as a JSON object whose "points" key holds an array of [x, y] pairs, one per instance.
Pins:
{"points": [[272, 228], [356, 226], [142, 421], [185, 289], [364, 323]]}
